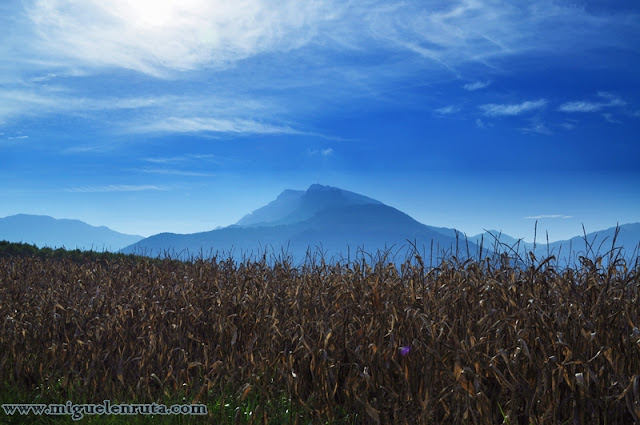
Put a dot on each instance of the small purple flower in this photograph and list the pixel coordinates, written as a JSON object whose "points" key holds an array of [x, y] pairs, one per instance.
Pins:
{"points": [[405, 350]]}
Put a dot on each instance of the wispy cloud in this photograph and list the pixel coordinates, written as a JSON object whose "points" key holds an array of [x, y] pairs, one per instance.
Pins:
{"points": [[537, 127], [98, 148], [609, 117], [153, 37], [63, 39], [213, 125], [322, 152], [154, 114], [181, 158], [453, 33], [477, 85], [580, 106], [175, 172], [543, 216], [42, 100], [612, 98], [13, 137], [591, 106], [447, 110], [16, 102], [116, 188], [164, 36], [495, 110]]}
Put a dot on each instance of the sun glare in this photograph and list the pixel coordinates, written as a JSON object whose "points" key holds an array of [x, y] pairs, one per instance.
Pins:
{"points": [[153, 13]]}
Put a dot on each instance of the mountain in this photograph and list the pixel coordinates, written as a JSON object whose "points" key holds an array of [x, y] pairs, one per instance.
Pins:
{"points": [[293, 206], [42, 231], [334, 220], [599, 243], [491, 237]]}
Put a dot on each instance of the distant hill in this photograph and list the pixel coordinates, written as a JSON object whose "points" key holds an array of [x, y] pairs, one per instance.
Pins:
{"points": [[45, 231], [334, 220], [340, 223], [598, 243], [491, 237]]}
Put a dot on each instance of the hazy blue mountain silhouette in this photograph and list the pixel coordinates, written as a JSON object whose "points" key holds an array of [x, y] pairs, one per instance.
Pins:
{"points": [[45, 231], [293, 206], [597, 243], [334, 221], [600, 242], [274, 211], [491, 237]]}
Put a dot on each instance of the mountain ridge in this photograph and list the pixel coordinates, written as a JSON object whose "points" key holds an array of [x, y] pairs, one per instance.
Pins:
{"points": [[334, 220], [591, 245], [46, 231], [338, 221], [322, 217], [292, 206]]}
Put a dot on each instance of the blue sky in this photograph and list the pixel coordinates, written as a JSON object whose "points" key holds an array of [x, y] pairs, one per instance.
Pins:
{"points": [[154, 115]]}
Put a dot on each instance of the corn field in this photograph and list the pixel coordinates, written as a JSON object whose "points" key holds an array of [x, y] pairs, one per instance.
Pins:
{"points": [[479, 342]]}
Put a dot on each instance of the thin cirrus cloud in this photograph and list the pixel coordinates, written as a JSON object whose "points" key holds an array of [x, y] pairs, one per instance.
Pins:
{"points": [[213, 125], [152, 36], [477, 85], [537, 127], [543, 216], [171, 40], [175, 172], [116, 188], [15, 102], [159, 36], [51, 100], [496, 110], [447, 110], [580, 106], [480, 123], [182, 158], [236, 117], [609, 117], [322, 152], [611, 100], [454, 33]]}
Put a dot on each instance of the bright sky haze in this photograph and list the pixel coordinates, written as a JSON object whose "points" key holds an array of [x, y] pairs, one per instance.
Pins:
{"points": [[156, 115]]}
